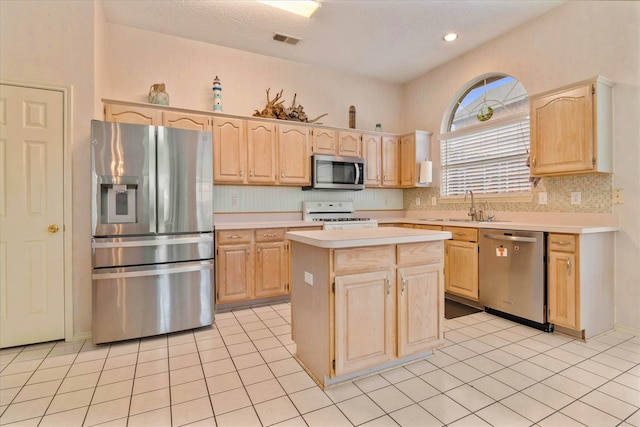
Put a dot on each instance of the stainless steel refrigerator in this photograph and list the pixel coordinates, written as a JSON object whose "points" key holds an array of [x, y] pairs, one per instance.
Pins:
{"points": [[152, 226]]}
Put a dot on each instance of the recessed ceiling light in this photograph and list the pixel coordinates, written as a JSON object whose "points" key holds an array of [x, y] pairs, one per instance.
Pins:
{"points": [[449, 37], [304, 8]]}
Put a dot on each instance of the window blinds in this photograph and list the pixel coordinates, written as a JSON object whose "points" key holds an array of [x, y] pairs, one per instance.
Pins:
{"points": [[489, 158]]}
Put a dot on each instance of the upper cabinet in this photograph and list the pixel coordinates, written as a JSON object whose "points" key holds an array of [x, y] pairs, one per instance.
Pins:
{"points": [[248, 151], [390, 161], [323, 141], [372, 153], [128, 114], [414, 149], [349, 144], [293, 155], [571, 130], [174, 119]]}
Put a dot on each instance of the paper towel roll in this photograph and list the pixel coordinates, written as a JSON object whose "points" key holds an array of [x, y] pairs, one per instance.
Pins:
{"points": [[426, 172]]}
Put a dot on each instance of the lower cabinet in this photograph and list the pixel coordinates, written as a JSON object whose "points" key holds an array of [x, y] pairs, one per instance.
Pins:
{"points": [[251, 264], [358, 309], [562, 285], [461, 262]]}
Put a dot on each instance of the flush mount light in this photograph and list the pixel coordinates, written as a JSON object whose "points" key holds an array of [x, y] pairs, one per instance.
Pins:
{"points": [[449, 37], [299, 7]]}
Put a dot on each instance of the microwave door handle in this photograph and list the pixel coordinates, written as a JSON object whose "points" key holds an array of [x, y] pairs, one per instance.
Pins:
{"points": [[357, 173]]}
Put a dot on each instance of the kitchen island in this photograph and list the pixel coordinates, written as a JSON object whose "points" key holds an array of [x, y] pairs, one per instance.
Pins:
{"points": [[364, 300]]}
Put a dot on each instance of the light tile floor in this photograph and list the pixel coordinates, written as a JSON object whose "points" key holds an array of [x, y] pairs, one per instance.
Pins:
{"points": [[241, 373]]}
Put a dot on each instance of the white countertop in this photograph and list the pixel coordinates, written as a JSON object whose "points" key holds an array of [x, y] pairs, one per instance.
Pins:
{"points": [[555, 224], [353, 238]]}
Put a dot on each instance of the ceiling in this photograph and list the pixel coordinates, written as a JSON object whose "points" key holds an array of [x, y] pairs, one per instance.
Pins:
{"points": [[392, 40]]}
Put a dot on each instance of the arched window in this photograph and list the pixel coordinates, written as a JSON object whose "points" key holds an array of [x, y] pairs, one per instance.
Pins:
{"points": [[485, 139]]}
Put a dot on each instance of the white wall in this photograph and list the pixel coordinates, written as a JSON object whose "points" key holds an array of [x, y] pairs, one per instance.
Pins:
{"points": [[574, 42]]}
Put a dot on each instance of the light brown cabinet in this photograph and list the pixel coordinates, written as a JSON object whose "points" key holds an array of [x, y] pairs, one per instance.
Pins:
{"points": [[461, 262], [349, 144], [132, 114], [562, 286], [294, 162], [366, 306], [323, 141], [180, 120], [251, 264], [390, 161], [234, 266], [229, 151], [261, 152], [414, 148], [571, 130], [372, 153]]}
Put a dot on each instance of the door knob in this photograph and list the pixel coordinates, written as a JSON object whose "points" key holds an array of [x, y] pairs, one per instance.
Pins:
{"points": [[53, 228]]}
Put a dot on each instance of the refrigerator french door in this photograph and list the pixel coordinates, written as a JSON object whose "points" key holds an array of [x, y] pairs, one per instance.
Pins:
{"points": [[152, 227]]}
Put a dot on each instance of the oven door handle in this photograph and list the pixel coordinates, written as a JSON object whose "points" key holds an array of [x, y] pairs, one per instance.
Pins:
{"points": [[511, 238], [357, 173]]}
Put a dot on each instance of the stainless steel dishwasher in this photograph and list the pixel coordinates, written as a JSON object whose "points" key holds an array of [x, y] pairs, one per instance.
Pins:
{"points": [[512, 275]]}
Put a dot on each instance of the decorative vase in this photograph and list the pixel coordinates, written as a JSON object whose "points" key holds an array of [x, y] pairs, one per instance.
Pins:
{"points": [[352, 117], [157, 95]]}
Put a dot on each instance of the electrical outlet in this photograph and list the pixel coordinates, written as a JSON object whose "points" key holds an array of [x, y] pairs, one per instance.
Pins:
{"points": [[434, 201], [542, 198], [235, 200], [418, 201], [576, 198], [308, 278], [618, 196]]}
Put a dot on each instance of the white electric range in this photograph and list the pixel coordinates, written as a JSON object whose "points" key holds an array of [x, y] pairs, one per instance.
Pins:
{"points": [[335, 215]]}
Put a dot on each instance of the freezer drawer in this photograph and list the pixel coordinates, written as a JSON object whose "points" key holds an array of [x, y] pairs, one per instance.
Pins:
{"points": [[135, 302], [128, 251]]}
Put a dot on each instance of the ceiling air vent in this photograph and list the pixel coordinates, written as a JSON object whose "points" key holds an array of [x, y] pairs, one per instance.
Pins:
{"points": [[285, 39]]}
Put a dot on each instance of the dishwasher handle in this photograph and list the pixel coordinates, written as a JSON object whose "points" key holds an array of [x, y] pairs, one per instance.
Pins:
{"points": [[511, 238]]}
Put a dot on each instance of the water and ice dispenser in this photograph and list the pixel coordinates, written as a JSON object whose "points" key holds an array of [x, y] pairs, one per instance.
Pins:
{"points": [[118, 197]]}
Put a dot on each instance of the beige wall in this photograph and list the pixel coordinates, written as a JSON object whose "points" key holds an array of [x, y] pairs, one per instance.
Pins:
{"points": [[67, 42], [574, 42], [52, 42], [136, 59]]}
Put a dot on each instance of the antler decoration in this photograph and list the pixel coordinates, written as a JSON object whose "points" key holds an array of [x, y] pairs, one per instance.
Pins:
{"points": [[275, 110]]}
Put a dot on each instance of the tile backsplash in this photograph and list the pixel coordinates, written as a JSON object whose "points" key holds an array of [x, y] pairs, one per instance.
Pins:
{"points": [[243, 199], [596, 193]]}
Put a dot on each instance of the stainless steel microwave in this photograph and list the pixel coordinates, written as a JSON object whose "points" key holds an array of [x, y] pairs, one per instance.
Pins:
{"points": [[336, 173]]}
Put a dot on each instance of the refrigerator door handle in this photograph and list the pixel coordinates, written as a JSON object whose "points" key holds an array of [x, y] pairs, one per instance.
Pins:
{"points": [[152, 272]]}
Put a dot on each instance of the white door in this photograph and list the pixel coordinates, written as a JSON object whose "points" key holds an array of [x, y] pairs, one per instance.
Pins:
{"points": [[31, 216]]}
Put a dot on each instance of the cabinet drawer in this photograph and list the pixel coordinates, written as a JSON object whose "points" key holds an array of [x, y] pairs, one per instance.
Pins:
{"points": [[562, 242], [428, 227], [232, 237], [270, 234], [421, 253], [463, 233], [368, 258]]}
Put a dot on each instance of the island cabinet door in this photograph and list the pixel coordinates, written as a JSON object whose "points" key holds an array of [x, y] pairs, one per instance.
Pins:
{"points": [[420, 308], [364, 320]]}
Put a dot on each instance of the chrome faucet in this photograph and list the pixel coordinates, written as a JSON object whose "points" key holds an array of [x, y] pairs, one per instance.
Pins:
{"points": [[472, 209]]}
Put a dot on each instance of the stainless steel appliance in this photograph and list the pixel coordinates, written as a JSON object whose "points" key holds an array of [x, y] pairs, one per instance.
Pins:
{"points": [[152, 227], [336, 173], [335, 215], [512, 275]]}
